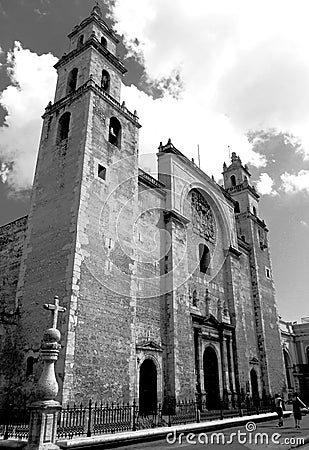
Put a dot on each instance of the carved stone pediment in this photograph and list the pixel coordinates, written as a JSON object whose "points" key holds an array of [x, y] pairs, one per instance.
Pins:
{"points": [[211, 320], [149, 346], [203, 220]]}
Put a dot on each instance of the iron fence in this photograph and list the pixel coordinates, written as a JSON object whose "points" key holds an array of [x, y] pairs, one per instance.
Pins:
{"points": [[14, 423], [99, 418]]}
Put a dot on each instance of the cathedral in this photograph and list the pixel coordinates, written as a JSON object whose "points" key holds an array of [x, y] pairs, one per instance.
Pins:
{"points": [[166, 280]]}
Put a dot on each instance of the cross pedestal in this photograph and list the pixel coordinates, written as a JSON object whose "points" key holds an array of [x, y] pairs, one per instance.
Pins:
{"points": [[44, 411], [43, 425]]}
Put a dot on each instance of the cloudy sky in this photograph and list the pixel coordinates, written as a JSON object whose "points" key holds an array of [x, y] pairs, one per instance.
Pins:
{"points": [[213, 74]]}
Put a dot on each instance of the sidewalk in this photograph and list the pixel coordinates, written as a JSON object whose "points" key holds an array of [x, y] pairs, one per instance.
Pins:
{"points": [[131, 437]]}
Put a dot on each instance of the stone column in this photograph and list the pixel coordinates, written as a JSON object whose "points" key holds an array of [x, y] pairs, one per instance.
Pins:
{"points": [[231, 361], [225, 374], [44, 411]]}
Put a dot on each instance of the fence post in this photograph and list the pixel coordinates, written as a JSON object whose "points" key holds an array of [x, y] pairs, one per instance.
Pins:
{"points": [[239, 405], [6, 433], [133, 418], [198, 415], [89, 419]]}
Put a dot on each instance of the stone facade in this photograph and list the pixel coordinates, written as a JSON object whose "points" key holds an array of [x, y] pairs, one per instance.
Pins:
{"points": [[166, 282]]}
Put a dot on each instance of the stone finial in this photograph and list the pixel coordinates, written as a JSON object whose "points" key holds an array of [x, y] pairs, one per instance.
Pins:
{"points": [[47, 386], [96, 10], [234, 157]]}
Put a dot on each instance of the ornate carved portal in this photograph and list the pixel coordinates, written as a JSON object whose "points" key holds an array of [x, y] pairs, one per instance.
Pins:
{"points": [[202, 217]]}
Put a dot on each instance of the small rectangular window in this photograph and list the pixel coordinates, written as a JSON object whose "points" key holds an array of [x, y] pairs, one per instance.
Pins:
{"points": [[267, 272], [101, 172]]}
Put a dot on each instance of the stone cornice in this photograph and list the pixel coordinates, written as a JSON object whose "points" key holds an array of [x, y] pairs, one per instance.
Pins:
{"points": [[148, 180], [92, 42], [100, 22], [234, 252], [176, 216], [90, 85]]}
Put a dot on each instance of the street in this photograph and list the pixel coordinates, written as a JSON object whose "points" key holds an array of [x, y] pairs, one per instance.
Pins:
{"points": [[267, 435]]}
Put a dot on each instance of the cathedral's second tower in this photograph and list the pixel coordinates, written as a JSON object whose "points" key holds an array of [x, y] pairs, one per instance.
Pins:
{"points": [[252, 231]]}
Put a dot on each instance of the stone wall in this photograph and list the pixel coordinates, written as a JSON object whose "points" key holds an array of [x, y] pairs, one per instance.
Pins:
{"points": [[12, 238]]}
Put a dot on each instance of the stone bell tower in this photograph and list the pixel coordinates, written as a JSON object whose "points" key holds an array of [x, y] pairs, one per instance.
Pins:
{"points": [[88, 148], [253, 232]]}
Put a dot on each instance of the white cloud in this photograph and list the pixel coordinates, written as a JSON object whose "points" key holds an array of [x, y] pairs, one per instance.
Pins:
{"points": [[4, 172], [165, 118], [304, 223], [33, 83], [294, 183], [245, 60], [225, 66], [265, 185]]}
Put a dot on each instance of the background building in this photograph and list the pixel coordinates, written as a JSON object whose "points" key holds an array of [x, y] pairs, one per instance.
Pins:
{"points": [[295, 346]]}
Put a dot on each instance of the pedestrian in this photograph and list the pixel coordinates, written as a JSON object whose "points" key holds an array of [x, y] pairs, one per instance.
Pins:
{"points": [[297, 403], [279, 409]]}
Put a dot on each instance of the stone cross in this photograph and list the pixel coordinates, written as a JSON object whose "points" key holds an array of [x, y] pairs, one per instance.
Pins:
{"points": [[55, 309]]}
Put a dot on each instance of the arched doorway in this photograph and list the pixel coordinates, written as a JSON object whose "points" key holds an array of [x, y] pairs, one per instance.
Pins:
{"points": [[148, 387], [211, 378], [254, 386]]}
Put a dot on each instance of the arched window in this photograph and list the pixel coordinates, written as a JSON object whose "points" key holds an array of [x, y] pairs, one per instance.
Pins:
{"points": [[233, 180], [103, 42], [204, 255], [105, 81], [236, 208], [80, 41], [63, 127], [254, 210], [194, 298], [114, 136], [30, 363], [72, 81]]}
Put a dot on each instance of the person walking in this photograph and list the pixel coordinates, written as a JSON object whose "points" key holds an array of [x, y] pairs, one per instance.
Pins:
{"points": [[297, 404], [279, 409]]}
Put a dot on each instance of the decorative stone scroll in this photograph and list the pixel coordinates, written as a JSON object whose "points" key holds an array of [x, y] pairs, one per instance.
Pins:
{"points": [[202, 217]]}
